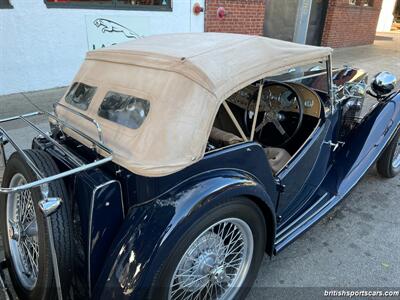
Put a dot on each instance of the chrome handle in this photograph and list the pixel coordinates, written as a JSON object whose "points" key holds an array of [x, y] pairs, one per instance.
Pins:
{"points": [[335, 146]]}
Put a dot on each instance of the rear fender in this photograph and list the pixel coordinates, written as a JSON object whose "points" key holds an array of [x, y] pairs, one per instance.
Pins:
{"points": [[145, 241]]}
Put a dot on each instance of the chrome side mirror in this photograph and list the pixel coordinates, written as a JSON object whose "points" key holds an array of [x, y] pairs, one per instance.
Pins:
{"points": [[383, 84]]}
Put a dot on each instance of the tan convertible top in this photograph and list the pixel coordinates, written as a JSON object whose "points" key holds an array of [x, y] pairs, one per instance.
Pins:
{"points": [[185, 77]]}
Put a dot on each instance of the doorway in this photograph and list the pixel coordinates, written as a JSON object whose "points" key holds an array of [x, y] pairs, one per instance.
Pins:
{"points": [[280, 20]]}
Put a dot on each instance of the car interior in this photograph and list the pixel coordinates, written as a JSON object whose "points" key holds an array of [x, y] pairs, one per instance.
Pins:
{"points": [[287, 116]]}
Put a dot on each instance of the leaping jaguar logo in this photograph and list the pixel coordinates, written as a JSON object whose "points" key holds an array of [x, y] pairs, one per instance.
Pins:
{"points": [[111, 26]]}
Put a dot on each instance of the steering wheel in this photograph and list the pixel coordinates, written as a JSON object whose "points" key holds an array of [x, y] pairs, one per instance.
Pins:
{"points": [[276, 108]]}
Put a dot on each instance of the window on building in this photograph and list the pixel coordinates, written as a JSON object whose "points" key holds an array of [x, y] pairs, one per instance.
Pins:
{"points": [[5, 4], [367, 3], [111, 4]]}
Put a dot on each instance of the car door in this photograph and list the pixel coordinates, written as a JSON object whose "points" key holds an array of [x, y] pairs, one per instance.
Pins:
{"points": [[305, 171]]}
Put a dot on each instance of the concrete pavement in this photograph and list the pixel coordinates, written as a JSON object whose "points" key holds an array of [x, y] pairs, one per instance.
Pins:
{"points": [[356, 245]]}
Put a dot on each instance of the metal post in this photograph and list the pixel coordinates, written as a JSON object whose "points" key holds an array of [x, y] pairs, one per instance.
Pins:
{"points": [[330, 83], [302, 19]]}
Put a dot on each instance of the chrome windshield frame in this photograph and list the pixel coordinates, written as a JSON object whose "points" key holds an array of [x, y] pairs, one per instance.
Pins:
{"points": [[331, 91]]}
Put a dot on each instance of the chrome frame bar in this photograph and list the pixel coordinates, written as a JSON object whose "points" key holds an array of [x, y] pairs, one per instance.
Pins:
{"points": [[98, 127], [314, 75], [306, 77], [330, 83], [80, 166]]}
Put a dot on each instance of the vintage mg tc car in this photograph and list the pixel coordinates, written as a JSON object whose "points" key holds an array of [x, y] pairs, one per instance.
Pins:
{"points": [[174, 162]]}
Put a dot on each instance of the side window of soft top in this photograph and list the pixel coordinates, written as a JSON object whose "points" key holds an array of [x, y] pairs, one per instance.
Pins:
{"points": [[126, 110], [80, 95]]}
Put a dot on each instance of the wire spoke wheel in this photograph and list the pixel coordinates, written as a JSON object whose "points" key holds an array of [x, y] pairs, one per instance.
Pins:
{"points": [[23, 233], [216, 264]]}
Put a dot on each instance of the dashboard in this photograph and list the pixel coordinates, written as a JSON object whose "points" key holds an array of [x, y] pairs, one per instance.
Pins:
{"points": [[246, 98]]}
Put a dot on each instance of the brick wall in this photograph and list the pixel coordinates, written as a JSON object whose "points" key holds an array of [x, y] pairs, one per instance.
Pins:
{"points": [[242, 16], [345, 24], [350, 25]]}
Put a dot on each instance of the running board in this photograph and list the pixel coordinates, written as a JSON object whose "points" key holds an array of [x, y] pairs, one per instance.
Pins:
{"points": [[289, 233]]}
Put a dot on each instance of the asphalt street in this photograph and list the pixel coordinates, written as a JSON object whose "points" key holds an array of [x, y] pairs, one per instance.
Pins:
{"points": [[356, 246]]}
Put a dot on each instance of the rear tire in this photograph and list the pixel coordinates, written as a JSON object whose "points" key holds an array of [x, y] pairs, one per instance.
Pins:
{"points": [[226, 276], [388, 164], [31, 268]]}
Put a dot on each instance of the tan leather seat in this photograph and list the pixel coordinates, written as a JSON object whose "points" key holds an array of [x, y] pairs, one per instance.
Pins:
{"points": [[224, 137], [277, 157]]}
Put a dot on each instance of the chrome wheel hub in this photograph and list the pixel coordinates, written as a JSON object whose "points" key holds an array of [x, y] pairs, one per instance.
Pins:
{"points": [[23, 234], [215, 264]]}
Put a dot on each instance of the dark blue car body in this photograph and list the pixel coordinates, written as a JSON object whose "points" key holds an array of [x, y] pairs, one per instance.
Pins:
{"points": [[127, 220]]}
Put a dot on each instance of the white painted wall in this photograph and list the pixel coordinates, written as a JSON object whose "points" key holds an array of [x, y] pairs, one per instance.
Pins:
{"points": [[43, 48], [386, 16]]}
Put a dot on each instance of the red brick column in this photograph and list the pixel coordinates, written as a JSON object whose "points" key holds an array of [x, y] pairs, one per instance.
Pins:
{"points": [[242, 16], [350, 25]]}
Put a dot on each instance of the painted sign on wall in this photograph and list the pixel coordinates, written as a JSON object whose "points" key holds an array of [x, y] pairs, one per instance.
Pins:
{"points": [[104, 31]]}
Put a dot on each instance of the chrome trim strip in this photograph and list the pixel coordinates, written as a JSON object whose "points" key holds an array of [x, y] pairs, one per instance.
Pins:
{"points": [[283, 234]]}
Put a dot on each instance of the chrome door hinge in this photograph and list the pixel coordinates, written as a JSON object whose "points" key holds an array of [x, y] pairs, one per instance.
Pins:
{"points": [[335, 146]]}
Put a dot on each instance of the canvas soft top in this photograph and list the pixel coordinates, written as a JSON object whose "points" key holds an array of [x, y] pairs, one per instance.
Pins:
{"points": [[185, 77], [217, 61]]}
